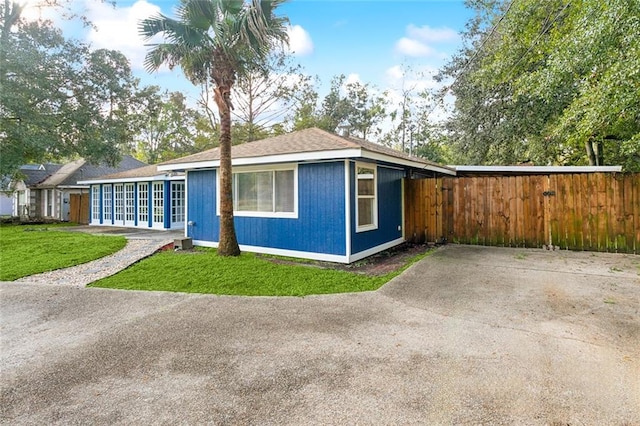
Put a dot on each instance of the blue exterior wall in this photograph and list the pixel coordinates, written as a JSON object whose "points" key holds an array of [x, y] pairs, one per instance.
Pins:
{"points": [[319, 227], [389, 192]]}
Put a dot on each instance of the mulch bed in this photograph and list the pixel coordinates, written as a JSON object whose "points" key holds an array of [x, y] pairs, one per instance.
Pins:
{"points": [[378, 264]]}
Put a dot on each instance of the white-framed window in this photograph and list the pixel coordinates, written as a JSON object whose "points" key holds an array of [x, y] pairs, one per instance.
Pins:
{"points": [[366, 197], [118, 203], [95, 203], [143, 203], [265, 192], [107, 201], [129, 202], [177, 202], [158, 203]]}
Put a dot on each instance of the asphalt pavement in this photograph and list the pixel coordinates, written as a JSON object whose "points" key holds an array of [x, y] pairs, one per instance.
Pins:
{"points": [[469, 335]]}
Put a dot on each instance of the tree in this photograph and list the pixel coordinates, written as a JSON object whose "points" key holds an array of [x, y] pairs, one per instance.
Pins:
{"points": [[217, 41], [264, 95], [58, 98], [167, 127], [553, 82]]}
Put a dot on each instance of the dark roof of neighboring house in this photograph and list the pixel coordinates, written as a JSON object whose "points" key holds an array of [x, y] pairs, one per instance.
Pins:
{"points": [[71, 173], [140, 172], [300, 142], [36, 173]]}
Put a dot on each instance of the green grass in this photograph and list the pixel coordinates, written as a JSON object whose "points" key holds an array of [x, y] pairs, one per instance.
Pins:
{"points": [[32, 249], [203, 271]]}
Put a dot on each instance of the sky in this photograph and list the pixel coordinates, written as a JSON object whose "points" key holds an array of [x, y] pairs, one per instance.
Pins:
{"points": [[369, 41]]}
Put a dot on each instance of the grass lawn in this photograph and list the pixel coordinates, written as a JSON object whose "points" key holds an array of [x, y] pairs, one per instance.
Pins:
{"points": [[202, 271], [31, 249]]}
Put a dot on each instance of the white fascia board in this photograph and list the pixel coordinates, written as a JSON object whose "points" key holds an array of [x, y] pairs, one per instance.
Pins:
{"points": [[73, 186], [337, 154], [130, 179], [409, 163], [540, 169]]}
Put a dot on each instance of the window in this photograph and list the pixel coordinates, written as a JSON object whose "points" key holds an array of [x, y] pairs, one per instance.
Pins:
{"points": [[95, 203], [265, 193], [143, 204], [50, 202], [177, 202], [366, 206], [118, 201], [106, 203], [129, 203], [158, 203]]}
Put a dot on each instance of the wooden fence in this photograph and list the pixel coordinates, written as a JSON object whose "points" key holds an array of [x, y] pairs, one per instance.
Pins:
{"points": [[595, 211]]}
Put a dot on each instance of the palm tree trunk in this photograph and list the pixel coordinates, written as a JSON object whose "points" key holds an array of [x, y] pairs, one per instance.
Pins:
{"points": [[228, 244]]}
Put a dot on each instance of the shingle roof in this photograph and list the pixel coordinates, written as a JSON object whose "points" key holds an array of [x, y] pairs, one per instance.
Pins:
{"points": [[70, 174], [302, 141], [140, 172], [36, 173]]}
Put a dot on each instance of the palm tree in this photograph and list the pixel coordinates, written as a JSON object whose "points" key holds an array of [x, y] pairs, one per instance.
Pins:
{"points": [[216, 41]]}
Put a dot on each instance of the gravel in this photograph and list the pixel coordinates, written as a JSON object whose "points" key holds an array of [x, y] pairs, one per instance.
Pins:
{"points": [[86, 273]]}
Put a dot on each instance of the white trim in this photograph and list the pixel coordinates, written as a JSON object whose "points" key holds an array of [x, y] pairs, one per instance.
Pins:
{"points": [[265, 168], [281, 252], [347, 206], [373, 250], [335, 154], [409, 163], [161, 177], [374, 225], [540, 169]]}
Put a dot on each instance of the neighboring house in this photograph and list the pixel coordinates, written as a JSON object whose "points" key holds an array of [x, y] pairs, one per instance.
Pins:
{"points": [[48, 191], [309, 194], [6, 197], [141, 198]]}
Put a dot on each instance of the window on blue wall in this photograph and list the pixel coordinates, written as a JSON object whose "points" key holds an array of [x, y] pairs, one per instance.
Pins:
{"points": [[265, 193], [366, 195]]}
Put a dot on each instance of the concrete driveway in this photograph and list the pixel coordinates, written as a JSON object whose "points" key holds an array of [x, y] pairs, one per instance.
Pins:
{"points": [[469, 335]]}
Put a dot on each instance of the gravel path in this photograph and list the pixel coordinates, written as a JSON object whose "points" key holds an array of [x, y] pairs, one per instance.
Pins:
{"points": [[81, 275]]}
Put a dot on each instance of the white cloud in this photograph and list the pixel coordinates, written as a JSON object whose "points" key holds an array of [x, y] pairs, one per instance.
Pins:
{"points": [[117, 28], [433, 35], [352, 78], [414, 48], [300, 43], [418, 41]]}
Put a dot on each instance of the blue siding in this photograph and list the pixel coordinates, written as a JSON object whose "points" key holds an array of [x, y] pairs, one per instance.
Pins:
{"points": [[319, 228], [101, 204], [389, 186]]}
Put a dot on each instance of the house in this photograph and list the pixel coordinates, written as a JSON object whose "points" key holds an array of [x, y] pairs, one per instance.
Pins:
{"points": [[139, 198], [53, 191], [309, 194]]}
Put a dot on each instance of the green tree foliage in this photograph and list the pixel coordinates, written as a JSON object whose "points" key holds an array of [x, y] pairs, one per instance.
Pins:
{"points": [[167, 128], [57, 97], [356, 106], [556, 82], [217, 42]]}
